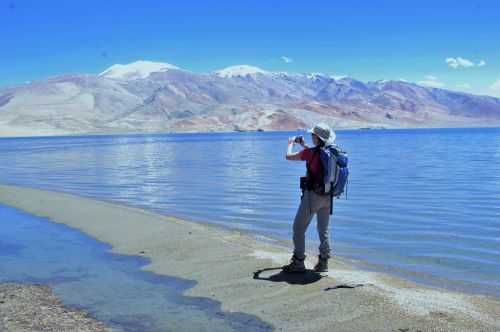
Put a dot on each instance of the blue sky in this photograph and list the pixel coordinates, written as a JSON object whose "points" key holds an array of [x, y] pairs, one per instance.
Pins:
{"points": [[368, 40]]}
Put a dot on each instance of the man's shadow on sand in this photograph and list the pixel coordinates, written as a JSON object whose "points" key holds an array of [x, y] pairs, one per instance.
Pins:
{"points": [[303, 278]]}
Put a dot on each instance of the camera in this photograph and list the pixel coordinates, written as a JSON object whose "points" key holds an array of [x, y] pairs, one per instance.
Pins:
{"points": [[299, 139]]}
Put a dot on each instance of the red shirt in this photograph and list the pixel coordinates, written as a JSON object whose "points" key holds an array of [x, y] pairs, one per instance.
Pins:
{"points": [[312, 158]]}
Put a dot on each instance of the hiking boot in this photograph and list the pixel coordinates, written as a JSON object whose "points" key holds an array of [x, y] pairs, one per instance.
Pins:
{"points": [[296, 265], [321, 265]]}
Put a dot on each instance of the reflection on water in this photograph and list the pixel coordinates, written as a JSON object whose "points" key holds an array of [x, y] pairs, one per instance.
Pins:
{"points": [[110, 286], [421, 203]]}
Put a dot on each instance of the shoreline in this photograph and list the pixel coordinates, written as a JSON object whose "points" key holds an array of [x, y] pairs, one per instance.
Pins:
{"points": [[146, 133], [226, 264], [287, 245]]}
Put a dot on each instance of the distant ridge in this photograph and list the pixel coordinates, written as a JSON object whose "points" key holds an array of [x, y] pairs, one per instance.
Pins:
{"points": [[146, 96]]}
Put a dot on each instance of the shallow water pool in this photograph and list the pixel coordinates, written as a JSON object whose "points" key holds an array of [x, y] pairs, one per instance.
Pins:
{"points": [[83, 273]]}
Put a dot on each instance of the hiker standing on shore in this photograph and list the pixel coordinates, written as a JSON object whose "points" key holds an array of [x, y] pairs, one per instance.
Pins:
{"points": [[314, 201]]}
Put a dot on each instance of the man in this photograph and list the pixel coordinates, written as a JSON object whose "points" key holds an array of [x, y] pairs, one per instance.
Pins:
{"points": [[312, 202]]}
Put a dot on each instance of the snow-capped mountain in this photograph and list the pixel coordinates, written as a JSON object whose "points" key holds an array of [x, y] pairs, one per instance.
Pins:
{"points": [[146, 96], [136, 70]]}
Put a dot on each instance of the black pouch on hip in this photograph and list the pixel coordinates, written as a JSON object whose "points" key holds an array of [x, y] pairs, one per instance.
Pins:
{"points": [[303, 183]]}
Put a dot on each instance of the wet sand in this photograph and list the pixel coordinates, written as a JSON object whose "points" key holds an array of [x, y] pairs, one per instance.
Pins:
{"points": [[35, 308], [243, 273]]}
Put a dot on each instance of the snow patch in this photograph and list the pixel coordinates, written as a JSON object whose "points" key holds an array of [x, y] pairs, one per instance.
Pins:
{"points": [[340, 77], [240, 71], [315, 76], [136, 70]]}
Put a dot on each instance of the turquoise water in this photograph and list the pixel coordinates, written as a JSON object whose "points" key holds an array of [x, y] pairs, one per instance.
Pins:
{"points": [[423, 204], [111, 287]]}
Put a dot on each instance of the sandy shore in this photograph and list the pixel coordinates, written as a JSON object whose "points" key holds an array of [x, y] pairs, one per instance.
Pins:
{"points": [[35, 308], [227, 265]]}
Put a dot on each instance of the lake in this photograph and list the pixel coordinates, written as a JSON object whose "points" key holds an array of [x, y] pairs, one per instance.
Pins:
{"points": [[423, 204]]}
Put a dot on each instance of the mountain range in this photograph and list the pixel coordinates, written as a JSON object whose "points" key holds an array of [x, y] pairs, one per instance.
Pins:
{"points": [[149, 96]]}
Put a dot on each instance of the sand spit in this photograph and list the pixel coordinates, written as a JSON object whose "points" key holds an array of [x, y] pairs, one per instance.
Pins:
{"points": [[243, 273]]}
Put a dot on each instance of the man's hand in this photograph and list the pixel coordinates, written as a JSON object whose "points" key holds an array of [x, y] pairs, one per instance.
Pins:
{"points": [[291, 140]]}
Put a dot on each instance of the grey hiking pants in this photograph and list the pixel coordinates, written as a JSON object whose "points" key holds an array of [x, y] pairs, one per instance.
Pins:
{"points": [[310, 205]]}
